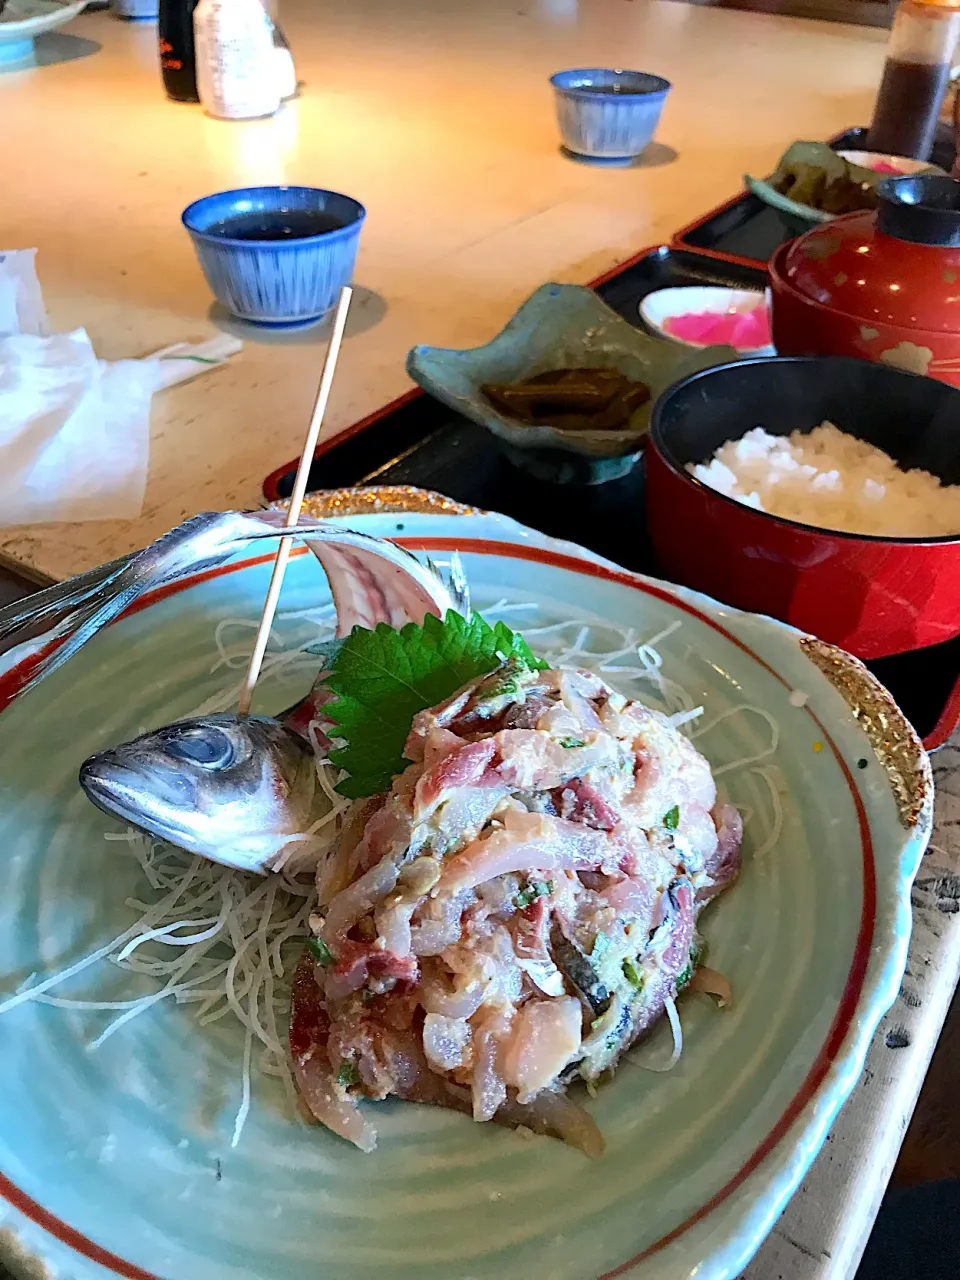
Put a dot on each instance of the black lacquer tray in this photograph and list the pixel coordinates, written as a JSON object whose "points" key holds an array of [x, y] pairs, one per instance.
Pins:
{"points": [[745, 231], [416, 440]]}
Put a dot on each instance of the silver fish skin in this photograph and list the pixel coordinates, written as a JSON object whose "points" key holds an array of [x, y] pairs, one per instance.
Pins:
{"points": [[239, 791], [234, 789], [371, 579]]}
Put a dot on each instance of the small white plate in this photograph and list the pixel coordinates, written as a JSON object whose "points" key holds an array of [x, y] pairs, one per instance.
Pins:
{"points": [[876, 159], [657, 308]]}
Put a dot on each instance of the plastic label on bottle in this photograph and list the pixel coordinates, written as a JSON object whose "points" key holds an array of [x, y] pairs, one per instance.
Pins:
{"points": [[236, 66]]}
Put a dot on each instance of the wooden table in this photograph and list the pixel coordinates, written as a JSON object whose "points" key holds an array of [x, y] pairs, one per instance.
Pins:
{"points": [[438, 117], [825, 1227]]}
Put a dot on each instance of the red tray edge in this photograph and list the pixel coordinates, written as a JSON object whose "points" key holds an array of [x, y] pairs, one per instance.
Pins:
{"points": [[678, 240]]}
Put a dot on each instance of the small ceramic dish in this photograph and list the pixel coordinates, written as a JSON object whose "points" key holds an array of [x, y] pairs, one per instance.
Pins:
{"points": [[23, 20], [657, 309], [891, 166], [796, 218], [561, 326], [607, 114], [860, 166]]}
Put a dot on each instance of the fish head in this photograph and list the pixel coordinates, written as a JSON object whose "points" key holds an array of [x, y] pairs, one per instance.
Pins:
{"points": [[237, 789]]}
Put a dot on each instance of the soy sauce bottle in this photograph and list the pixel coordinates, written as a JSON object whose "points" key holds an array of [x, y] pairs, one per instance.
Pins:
{"points": [[177, 59], [915, 77]]}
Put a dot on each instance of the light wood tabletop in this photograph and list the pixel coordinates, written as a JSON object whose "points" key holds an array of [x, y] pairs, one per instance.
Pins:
{"points": [[439, 118]]}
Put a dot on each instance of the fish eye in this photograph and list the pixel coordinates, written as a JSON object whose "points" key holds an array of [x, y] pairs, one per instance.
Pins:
{"points": [[203, 745]]}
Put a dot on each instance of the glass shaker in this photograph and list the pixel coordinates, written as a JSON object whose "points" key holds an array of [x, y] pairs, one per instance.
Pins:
{"points": [[915, 77]]}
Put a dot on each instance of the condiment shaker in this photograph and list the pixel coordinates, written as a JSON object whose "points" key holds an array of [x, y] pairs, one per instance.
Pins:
{"points": [[236, 60], [177, 61], [915, 77]]}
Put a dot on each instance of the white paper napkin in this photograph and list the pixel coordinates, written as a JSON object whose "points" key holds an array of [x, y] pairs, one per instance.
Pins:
{"points": [[21, 302], [75, 430]]}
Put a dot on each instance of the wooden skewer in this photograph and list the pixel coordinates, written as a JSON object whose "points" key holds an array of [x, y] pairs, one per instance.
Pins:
{"points": [[296, 502]]}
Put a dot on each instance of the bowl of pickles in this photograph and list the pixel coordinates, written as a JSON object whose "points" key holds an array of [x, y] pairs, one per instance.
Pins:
{"points": [[812, 183], [565, 388]]}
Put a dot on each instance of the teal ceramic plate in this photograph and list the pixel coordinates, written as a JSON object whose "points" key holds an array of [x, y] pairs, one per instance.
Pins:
{"points": [[560, 326], [22, 20], [118, 1161]]}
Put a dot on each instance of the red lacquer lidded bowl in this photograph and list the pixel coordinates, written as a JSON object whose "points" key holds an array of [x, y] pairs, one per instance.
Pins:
{"points": [[882, 285]]}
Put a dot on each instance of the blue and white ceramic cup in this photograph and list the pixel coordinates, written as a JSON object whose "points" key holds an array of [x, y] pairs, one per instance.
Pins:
{"points": [[276, 255], [135, 10], [607, 114]]}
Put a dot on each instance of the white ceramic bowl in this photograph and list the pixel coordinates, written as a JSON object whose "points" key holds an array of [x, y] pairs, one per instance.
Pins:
{"points": [[878, 161], [656, 308]]}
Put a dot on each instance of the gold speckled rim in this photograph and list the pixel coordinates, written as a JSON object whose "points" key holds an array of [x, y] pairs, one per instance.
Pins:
{"points": [[379, 500], [893, 738]]}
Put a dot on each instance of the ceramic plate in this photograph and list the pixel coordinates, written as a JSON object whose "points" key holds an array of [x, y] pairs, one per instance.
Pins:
{"points": [[663, 305], [880, 162], [22, 19], [118, 1161]]}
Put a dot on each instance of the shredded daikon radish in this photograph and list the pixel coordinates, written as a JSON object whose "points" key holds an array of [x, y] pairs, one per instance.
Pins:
{"points": [[167, 934], [771, 776], [680, 718], [152, 917], [244, 1111], [662, 635], [677, 1030], [719, 770], [670, 1007], [235, 965]]}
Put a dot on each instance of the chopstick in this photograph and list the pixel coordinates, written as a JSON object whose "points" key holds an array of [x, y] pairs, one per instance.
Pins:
{"points": [[296, 501]]}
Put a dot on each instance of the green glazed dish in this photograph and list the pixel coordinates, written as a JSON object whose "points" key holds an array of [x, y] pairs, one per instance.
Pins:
{"points": [[118, 1161], [560, 326], [810, 156]]}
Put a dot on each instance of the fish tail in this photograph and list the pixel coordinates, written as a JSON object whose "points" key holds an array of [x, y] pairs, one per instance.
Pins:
{"points": [[47, 608], [69, 614], [450, 589]]}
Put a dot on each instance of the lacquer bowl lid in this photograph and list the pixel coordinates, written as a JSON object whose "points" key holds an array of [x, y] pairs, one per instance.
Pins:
{"points": [[898, 265]]}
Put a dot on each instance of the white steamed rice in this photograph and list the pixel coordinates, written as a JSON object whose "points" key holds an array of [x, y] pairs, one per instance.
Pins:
{"points": [[833, 480]]}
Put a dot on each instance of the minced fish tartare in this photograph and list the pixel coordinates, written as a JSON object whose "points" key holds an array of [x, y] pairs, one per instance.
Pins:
{"points": [[515, 912]]}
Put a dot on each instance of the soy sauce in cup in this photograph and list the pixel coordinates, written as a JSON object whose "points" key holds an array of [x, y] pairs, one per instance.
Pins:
{"points": [[292, 224]]}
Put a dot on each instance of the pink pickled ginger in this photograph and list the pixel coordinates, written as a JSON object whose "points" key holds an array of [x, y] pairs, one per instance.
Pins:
{"points": [[741, 329]]}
